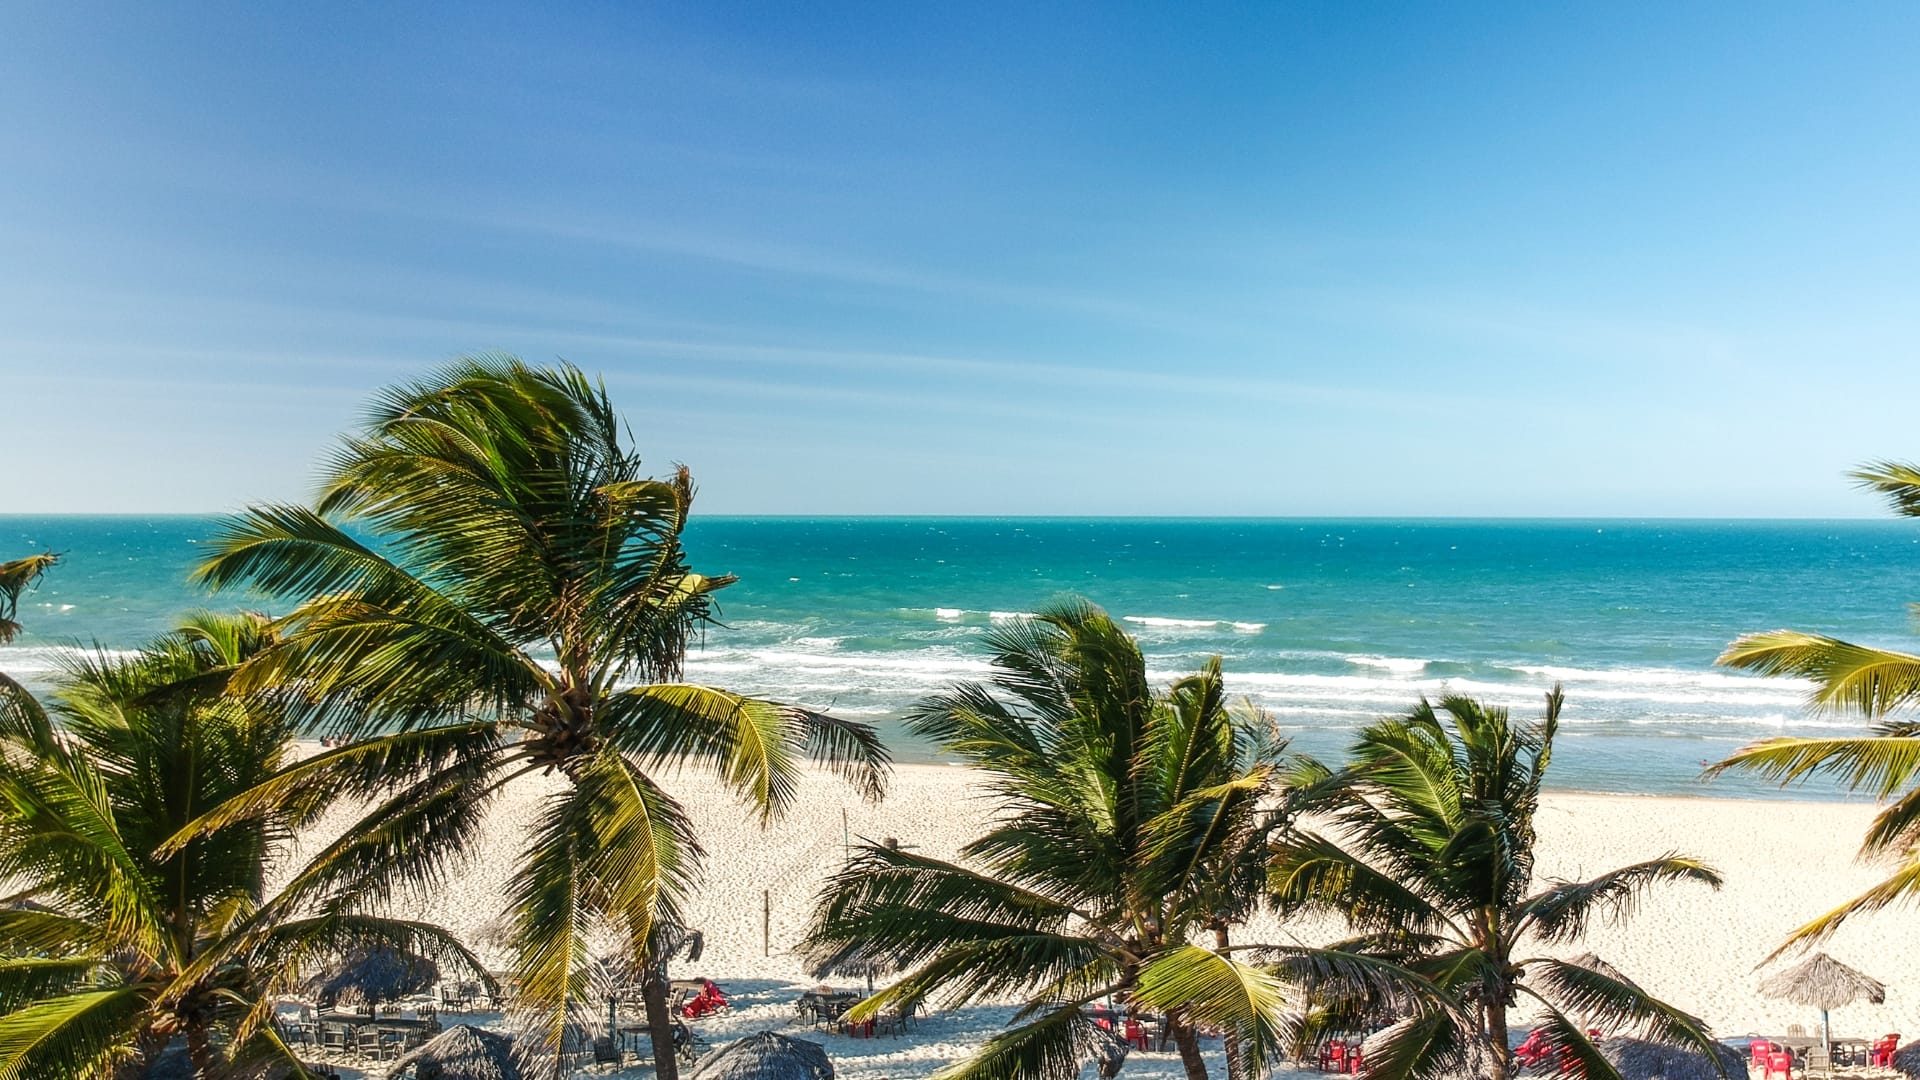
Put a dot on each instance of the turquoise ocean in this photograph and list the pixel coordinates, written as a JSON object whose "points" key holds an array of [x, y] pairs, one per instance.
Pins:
{"points": [[1324, 623]]}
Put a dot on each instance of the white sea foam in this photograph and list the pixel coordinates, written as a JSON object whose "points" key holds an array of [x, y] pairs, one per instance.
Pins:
{"points": [[1248, 627], [1163, 623], [1004, 616], [949, 612], [33, 660], [1400, 664]]}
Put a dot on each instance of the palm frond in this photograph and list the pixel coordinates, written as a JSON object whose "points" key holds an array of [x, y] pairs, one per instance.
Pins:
{"points": [[1056, 1046], [1898, 481], [361, 769], [17, 577], [1846, 677], [554, 923], [754, 745], [1880, 764], [1902, 886], [26, 979], [1575, 1054], [1309, 869], [24, 719], [1425, 1047], [1564, 910], [1212, 990], [71, 1037], [1616, 1005]]}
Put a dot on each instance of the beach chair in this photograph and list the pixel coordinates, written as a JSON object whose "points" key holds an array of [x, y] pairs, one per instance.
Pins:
{"points": [[1779, 1062], [1757, 1052], [1534, 1050], [1333, 1056], [1883, 1051], [373, 1043], [1819, 1061], [1356, 1061], [1135, 1035], [606, 1053]]}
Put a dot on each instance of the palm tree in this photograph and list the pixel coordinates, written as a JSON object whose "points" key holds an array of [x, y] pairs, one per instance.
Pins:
{"points": [[1873, 683], [17, 577], [1131, 828], [489, 585], [110, 951], [1427, 851]]}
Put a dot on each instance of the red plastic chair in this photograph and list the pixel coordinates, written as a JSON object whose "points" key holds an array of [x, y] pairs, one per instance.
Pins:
{"points": [[1883, 1051], [1778, 1062], [1534, 1050], [1136, 1035], [1333, 1056], [1356, 1062], [1757, 1052]]}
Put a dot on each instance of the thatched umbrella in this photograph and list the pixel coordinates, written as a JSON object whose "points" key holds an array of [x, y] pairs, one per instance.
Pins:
{"points": [[852, 969], [767, 1055], [1639, 1059], [462, 1052], [1593, 963], [1823, 983], [373, 975]]}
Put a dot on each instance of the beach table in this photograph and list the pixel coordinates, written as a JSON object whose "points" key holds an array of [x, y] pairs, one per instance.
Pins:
{"points": [[826, 1006]]}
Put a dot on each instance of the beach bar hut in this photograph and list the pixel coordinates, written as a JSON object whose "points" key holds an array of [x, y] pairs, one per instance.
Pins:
{"points": [[373, 975], [1823, 983], [1639, 1059], [767, 1055], [462, 1052]]}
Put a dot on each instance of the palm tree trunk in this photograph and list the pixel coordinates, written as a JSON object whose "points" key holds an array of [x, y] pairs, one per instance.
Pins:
{"points": [[653, 993], [1497, 1039], [1232, 1037], [1187, 1041]]}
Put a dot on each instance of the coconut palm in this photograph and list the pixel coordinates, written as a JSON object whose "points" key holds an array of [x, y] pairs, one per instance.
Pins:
{"points": [[1873, 683], [1426, 848], [109, 952], [1129, 837], [489, 585], [17, 577]]}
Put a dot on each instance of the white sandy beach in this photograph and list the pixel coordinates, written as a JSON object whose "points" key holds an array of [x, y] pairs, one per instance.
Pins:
{"points": [[1784, 862]]}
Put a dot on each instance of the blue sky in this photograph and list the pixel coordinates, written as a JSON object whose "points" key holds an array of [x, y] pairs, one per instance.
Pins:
{"points": [[1535, 259]]}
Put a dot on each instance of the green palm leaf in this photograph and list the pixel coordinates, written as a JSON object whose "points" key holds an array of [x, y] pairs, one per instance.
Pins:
{"points": [[1898, 481], [1902, 886], [1216, 991], [1564, 910], [16, 577], [1849, 677], [1054, 1047], [1616, 1005], [1881, 764], [71, 1037]]}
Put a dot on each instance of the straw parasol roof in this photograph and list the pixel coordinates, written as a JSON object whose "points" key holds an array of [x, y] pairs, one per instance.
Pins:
{"points": [[1823, 983], [767, 1055], [1593, 963], [375, 974], [462, 1052], [1639, 1059]]}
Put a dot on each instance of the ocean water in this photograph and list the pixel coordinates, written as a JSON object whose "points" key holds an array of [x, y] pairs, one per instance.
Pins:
{"points": [[1326, 624]]}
